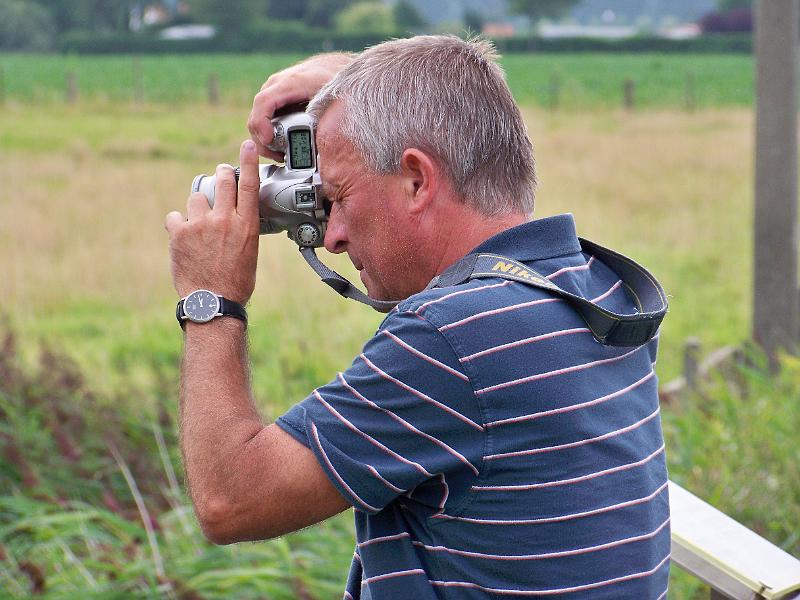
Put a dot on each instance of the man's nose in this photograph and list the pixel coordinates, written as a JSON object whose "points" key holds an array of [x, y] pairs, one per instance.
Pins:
{"points": [[335, 235]]}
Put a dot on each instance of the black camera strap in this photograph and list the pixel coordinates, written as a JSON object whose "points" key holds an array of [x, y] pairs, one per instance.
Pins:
{"points": [[609, 328], [342, 285]]}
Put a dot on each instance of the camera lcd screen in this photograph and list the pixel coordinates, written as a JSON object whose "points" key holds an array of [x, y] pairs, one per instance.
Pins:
{"points": [[300, 149]]}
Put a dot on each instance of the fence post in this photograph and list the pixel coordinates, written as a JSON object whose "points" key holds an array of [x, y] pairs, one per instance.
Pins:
{"points": [[555, 91], [776, 323], [213, 89], [72, 88], [690, 97], [138, 81], [629, 93], [691, 363]]}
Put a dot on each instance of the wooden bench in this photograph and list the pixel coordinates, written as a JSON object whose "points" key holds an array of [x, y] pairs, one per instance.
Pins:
{"points": [[733, 560]]}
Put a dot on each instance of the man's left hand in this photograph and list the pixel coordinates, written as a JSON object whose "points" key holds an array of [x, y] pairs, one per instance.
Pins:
{"points": [[217, 249]]}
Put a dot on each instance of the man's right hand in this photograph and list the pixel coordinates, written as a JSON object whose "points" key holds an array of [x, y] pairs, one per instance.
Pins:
{"points": [[294, 85]]}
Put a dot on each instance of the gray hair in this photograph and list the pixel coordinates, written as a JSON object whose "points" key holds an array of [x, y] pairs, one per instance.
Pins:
{"points": [[445, 96]]}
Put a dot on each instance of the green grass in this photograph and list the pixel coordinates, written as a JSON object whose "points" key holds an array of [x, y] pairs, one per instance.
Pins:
{"points": [[586, 80]]}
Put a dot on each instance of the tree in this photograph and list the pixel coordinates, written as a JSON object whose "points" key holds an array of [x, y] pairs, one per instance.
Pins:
{"points": [[366, 16], [322, 13], [406, 16], [724, 5], [90, 15], [473, 21], [229, 17], [25, 26], [541, 9]]}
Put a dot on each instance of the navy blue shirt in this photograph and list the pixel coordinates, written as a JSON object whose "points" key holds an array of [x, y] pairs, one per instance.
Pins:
{"points": [[492, 448]]}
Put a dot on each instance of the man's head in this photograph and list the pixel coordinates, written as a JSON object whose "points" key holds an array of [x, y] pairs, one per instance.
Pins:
{"points": [[416, 136], [449, 97]]}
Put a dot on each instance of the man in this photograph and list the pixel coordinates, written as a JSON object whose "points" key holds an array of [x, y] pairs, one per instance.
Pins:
{"points": [[489, 444]]}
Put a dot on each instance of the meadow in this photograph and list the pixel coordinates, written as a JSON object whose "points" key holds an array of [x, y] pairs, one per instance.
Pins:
{"points": [[91, 503], [585, 81]]}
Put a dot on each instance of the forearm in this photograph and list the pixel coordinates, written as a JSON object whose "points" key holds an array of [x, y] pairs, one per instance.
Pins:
{"points": [[217, 414]]}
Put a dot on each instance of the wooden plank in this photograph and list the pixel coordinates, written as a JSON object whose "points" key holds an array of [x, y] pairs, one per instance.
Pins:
{"points": [[725, 554]]}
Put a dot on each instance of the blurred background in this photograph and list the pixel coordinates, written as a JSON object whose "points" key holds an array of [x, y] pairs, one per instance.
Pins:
{"points": [[642, 114]]}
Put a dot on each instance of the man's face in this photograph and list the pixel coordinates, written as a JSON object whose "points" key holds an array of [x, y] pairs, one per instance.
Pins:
{"points": [[367, 218]]}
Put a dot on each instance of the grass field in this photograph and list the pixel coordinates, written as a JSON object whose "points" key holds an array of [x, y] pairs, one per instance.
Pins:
{"points": [[84, 274], [585, 80]]}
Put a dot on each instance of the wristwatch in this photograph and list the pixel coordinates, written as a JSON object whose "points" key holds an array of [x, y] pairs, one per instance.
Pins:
{"points": [[202, 305]]}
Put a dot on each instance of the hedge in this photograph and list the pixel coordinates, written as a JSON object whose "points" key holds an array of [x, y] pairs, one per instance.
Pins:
{"points": [[295, 37]]}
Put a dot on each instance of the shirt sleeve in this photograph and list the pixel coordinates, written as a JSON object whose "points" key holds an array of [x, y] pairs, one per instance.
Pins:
{"points": [[402, 420]]}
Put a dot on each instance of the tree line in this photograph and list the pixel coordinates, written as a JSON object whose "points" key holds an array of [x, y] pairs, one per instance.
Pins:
{"points": [[39, 25]]}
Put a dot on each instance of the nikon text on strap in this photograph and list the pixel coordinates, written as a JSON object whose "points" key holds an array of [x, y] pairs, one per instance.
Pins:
{"points": [[608, 327]]}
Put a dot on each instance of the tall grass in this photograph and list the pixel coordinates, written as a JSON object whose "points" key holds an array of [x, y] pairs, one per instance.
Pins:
{"points": [[91, 506]]}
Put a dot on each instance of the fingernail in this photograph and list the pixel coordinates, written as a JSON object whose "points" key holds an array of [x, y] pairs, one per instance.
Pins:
{"points": [[250, 146]]}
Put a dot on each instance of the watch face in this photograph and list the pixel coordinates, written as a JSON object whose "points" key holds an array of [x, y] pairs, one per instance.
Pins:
{"points": [[201, 306]]}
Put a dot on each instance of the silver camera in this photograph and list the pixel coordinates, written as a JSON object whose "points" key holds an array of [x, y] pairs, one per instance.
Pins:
{"points": [[290, 195]]}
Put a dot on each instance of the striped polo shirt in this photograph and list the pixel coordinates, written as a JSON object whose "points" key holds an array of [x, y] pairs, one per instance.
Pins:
{"points": [[492, 448]]}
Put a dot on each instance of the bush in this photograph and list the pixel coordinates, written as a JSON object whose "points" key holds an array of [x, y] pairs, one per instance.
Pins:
{"points": [[25, 26], [739, 43]]}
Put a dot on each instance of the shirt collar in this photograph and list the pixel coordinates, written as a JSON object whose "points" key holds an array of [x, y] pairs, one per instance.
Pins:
{"points": [[535, 240]]}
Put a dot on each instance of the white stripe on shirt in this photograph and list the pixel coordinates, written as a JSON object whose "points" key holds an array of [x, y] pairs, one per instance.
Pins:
{"points": [[336, 474], [545, 484], [563, 371], [555, 591], [419, 394], [530, 340], [575, 268], [496, 311], [583, 442], [459, 293], [547, 555], [408, 425], [371, 439], [559, 518], [425, 357], [570, 408]]}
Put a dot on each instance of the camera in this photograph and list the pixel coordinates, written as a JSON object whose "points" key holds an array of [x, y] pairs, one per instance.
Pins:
{"points": [[290, 195]]}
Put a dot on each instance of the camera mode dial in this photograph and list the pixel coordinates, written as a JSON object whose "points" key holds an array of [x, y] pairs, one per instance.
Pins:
{"points": [[278, 143], [306, 235]]}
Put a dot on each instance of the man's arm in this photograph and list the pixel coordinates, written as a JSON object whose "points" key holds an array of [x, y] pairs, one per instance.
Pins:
{"points": [[297, 84], [247, 481]]}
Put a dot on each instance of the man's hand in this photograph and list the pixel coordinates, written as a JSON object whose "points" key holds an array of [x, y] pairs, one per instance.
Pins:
{"points": [[295, 85], [218, 249]]}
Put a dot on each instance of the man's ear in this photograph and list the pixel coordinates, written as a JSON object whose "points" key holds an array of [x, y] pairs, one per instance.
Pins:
{"points": [[422, 178]]}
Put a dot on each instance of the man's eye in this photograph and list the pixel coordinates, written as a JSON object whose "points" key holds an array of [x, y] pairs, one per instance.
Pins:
{"points": [[326, 205]]}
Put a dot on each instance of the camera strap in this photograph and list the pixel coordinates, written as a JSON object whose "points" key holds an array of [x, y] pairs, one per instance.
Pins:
{"points": [[341, 285], [609, 328]]}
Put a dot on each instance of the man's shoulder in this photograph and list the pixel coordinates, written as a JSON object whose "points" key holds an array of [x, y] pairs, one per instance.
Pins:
{"points": [[439, 304]]}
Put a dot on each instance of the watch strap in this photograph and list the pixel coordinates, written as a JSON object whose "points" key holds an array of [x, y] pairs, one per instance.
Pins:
{"points": [[227, 308]]}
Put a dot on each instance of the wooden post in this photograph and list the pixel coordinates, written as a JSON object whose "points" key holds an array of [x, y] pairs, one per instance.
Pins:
{"points": [[213, 89], [691, 363], [72, 88], [138, 81], [555, 91], [628, 92], [690, 95], [775, 306]]}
